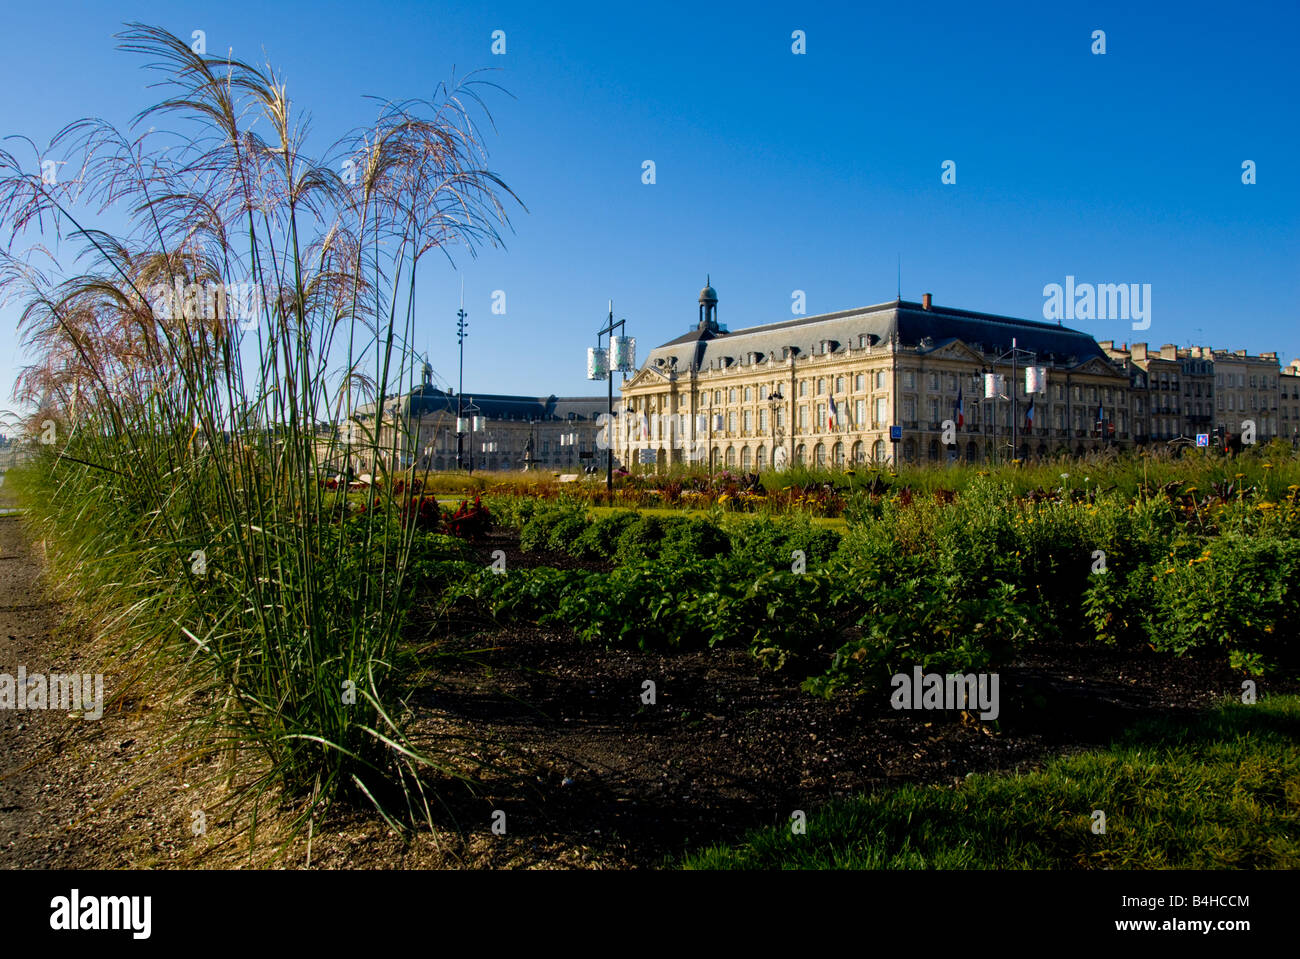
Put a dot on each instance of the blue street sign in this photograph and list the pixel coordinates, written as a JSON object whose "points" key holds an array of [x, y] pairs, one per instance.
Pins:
{"points": [[895, 433], [1202, 439]]}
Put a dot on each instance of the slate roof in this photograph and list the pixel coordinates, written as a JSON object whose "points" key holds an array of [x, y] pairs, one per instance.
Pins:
{"points": [[431, 401], [938, 326]]}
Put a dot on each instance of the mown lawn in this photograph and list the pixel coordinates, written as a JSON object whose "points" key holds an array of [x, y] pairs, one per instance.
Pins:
{"points": [[1221, 792]]}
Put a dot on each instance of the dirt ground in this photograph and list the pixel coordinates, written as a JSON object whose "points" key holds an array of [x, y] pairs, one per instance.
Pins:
{"points": [[586, 773]]}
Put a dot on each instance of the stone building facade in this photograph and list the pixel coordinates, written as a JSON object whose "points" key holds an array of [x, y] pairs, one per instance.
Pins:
{"points": [[825, 390], [519, 432], [1289, 402], [1248, 388]]}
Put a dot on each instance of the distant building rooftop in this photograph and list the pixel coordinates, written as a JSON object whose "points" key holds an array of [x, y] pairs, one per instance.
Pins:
{"points": [[915, 325]]}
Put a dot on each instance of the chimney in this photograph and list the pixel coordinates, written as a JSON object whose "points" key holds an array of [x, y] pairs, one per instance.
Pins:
{"points": [[925, 301]]}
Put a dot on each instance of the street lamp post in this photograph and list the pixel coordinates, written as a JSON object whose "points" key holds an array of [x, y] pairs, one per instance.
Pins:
{"points": [[619, 354], [775, 399], [461, 333], [1014, 353], [468, 425]]}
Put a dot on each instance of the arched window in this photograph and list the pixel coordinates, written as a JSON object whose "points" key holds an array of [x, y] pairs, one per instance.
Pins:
{"points": [[731, 457], [857, 452], [878, 451], [745, 463], [761, 459], [837, 456], [819, 455], [934, 451], [909, 451], [801, 454]]}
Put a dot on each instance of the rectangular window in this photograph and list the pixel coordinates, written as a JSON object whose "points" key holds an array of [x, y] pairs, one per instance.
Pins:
{"points": [[839, 384], [780, 417], [803, 418], [880, 379], [860, 414], [762, 421], [934, 382], [803, 387], [909, 380], [860, 383], [882, 410], [821, 417], [748, 421], [821, 385], [731, 422]]}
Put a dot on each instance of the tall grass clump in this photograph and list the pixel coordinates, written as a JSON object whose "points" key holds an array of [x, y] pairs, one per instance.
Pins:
{"points": [[235, 296]]}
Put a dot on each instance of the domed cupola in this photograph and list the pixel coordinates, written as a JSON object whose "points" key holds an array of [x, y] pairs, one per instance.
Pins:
{"points": [[709, 307]]}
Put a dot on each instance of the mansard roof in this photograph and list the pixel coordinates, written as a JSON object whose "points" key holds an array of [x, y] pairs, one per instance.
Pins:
{"points": [[912, 324], [431, 401]]}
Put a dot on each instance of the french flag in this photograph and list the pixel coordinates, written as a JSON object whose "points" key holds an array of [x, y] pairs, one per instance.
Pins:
{"points": [[832, 416], [1029, 415], [959, 410]]}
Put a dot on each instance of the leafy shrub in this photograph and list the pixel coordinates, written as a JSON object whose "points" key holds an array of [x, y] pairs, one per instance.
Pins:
{"points": [[770, 543], [643, 539], [566, 532], [643, 603], [695, 539], [782, 616], [1241, 594], [514, 511], [518, 594], [600, 539], [439, 546], [536, 532], [928, 622]]}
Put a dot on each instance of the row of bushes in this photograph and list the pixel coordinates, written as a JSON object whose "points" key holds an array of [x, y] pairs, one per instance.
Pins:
{"points": [[954, 584], [628, 536]]}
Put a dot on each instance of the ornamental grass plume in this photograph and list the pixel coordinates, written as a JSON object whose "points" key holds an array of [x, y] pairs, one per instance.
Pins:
{"points": [[195, 360]]}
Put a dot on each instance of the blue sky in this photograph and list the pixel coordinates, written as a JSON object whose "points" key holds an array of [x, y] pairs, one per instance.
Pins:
{"points": [[778, 172]]}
